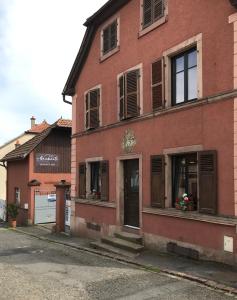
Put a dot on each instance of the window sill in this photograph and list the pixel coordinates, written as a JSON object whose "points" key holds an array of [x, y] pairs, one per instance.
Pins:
{"points": [[96, 203], [153, 26], [107, 55], [191, 215]]}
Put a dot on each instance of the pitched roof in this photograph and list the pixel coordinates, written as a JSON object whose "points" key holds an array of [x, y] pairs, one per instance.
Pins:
{"points": [[25, 149], [64, 123], [92, 23], [38, 128]]}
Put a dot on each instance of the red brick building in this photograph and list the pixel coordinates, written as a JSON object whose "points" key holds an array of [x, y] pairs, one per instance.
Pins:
{"points": [[154, 89], [34, 168]]}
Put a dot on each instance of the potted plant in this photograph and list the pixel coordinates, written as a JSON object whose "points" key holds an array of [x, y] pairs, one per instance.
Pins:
{"points": [[184, 203], [12, 211]]}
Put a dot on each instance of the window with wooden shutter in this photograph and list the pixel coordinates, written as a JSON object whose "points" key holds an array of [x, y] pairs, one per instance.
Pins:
{"points": [[110, 37], [153, 10], [104, 169], [207, 162], [92, 109], [157, 85], [82, 180], [129, 94], [158, 181]]}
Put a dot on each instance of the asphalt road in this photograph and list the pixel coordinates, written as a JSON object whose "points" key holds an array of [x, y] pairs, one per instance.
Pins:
{"points": [[34, 269]]}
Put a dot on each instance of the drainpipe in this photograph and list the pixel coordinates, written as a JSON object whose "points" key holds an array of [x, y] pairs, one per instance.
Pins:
{"points": [[3, 164], [66, 101]]}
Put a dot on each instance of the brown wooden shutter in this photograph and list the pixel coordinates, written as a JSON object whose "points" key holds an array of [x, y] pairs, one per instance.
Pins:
{"points": [[121, 98], [207, 164], [82, 180], [147, 13], [87, 111], [104, 167], [113, 35], [158, 9], [94, 108], [132, 93], [106, 38], [157, 85], [158, 181]]}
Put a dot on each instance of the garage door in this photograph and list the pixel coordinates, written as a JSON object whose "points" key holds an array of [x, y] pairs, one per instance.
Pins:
{"points": [[45, 207]]}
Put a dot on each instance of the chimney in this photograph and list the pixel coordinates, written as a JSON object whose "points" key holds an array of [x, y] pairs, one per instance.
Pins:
{"points": [[32, 119], [17, 144]]}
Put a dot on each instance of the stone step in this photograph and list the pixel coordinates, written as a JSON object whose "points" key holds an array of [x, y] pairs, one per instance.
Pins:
{"points": [[122, 244], [112, 249], [131, 237]]}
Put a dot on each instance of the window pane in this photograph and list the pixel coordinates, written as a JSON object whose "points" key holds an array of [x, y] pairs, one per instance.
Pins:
{"points": [[95, 174], [192, 83], [179, 88], [192, 59], [179, 64]]}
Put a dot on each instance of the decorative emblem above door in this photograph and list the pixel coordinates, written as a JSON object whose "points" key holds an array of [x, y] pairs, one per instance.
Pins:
{"points": [[129, 141]]}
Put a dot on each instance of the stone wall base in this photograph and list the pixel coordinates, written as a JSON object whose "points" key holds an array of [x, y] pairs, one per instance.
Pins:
{"points": [[83, 228], [159, 243]]}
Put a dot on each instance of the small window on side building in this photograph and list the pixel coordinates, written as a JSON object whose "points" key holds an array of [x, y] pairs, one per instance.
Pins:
{"points": [[17, 196]]}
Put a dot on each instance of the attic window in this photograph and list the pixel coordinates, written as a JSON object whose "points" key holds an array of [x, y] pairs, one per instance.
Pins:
{"points": [[110, 38]]}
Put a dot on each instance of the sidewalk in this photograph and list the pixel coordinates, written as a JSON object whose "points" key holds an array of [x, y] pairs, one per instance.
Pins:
{"points": [[214, 275]]}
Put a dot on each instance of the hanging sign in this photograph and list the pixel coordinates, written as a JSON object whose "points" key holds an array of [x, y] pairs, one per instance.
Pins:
{"points": [[47, 160]]}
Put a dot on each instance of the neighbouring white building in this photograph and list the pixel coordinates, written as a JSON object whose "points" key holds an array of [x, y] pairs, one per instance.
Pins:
{"points": [[8, 147]]}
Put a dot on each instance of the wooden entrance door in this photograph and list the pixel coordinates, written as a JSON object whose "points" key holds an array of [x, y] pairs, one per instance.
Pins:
{"points": [[131, 192]]}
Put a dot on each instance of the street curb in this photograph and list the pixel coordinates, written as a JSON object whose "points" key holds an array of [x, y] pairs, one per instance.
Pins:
{"points": [[206, 282]]}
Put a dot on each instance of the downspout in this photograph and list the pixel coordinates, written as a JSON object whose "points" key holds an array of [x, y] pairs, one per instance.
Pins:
{"points": [[66, 101], [3, 164]]}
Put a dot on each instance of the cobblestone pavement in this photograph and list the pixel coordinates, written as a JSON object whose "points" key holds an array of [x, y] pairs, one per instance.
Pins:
{"points": [[35, 269]]}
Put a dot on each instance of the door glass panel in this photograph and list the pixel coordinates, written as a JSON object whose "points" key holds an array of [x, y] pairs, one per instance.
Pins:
{"points": [[134, 180]]}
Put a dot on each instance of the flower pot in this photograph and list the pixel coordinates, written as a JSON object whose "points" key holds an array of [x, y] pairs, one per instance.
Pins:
{"points": [[12, 223], [177, 206]]}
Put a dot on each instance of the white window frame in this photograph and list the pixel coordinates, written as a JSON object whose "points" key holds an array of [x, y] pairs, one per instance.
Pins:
{"points": [[99, 86], [137, 67], [143, 31], [195, 41], [116, 49]]}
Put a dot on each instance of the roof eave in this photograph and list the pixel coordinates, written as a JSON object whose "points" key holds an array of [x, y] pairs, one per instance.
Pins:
{"points": [[92, 23]]}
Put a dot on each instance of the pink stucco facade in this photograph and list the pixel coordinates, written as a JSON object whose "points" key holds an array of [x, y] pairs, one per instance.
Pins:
{"points": [[206, 124]]}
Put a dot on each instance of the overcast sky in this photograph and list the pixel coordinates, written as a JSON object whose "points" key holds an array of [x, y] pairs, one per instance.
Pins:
{"points": [[39, 40]]}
